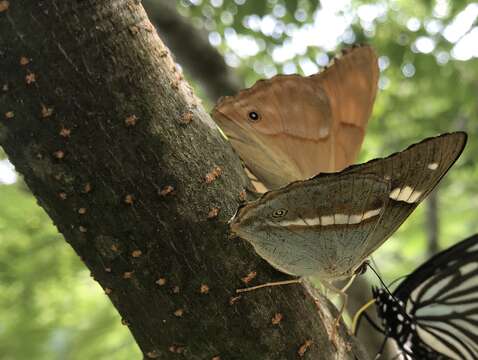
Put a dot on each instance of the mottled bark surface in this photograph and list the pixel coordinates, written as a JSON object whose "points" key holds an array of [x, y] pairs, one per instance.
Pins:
{"points": [[132, 171]]}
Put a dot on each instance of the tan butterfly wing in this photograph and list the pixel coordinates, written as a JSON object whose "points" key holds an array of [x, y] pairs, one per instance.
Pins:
{"points": [[306, 125]]}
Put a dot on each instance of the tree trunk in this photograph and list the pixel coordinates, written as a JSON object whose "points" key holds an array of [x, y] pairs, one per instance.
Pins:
{"points": [[113, 144]]}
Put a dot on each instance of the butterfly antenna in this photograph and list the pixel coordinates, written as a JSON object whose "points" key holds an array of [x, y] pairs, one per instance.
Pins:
{"points": [[358, 315], [372, 260], [381, 281]]}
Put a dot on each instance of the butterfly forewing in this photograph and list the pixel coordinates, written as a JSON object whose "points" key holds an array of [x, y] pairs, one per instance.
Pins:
{"points": [[413, 173], [351, 91], [314, 227]]}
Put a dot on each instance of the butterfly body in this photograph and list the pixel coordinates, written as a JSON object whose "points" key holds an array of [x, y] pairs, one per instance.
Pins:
{"points": [[291, 127], [433, 313], [330, 224]]}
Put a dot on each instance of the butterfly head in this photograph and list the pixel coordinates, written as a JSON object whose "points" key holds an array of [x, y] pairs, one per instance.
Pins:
{"points": [[273, 107], [254, 219]]}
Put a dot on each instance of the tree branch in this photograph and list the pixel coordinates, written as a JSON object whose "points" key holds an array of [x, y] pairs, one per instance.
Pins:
{"points": [[193, 50], [110, 140]]}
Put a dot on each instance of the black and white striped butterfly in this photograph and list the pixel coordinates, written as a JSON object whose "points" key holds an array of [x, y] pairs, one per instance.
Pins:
{"points": [[433, 313]]}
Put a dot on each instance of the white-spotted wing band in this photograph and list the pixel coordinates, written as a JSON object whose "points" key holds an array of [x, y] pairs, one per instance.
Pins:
{"points": [[336, 219], [406, 194]]}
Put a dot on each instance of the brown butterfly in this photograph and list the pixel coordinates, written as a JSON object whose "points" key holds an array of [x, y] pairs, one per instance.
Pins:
{"points": [[291, 127]]}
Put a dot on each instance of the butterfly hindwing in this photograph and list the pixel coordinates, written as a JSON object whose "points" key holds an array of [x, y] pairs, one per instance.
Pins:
{"points": [[322, 221], [321, 230], [351, 90]]}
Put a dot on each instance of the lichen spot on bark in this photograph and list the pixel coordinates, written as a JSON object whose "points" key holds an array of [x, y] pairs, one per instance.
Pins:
{"points": [[65, 132], [213, 174], [4, 5], [46, 111], [59, 154], [136, 253], [304, 347], [131, 120], [24, 60], [166, 190], [249, 277], [161, 281], [30, 78], [129, 199], [213, 213]]}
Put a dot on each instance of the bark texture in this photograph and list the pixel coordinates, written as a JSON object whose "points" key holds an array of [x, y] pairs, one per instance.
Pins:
{"points": [[135, 175]]}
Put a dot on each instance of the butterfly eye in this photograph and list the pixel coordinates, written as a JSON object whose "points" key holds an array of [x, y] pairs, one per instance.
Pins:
{"points": [[279, 213], [254, 116]]}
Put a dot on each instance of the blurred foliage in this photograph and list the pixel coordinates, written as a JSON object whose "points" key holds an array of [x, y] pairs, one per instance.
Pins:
{"points": [[51, 309]]}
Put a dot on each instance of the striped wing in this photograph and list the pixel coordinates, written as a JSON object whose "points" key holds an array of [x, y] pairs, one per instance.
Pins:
{"points": [[442, 297], [320, 213]]}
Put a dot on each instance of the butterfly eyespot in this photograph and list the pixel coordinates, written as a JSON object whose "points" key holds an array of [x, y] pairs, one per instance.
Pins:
{"points": [[279, 213], [254, 116]]}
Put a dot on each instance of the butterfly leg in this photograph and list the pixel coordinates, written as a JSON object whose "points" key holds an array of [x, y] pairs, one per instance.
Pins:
{"points": [[340, 292], [269, 284]]}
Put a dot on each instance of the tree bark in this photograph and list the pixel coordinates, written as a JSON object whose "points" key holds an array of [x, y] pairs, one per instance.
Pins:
{"points": [[136, 176]]}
